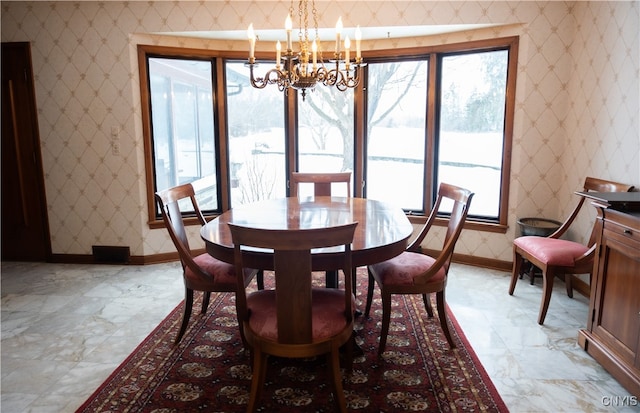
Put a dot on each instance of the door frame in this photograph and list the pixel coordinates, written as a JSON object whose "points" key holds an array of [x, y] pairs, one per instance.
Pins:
{"points": [[23, 131]]}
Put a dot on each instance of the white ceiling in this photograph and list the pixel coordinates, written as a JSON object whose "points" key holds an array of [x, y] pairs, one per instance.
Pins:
{"points": [[328, 34]]}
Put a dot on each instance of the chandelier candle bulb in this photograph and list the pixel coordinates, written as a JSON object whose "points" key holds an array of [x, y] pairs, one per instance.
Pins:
{"points": [[252, 42], [288, 25], [347, 53]]}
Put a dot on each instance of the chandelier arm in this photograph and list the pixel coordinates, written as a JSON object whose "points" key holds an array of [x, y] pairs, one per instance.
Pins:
{"points": [[323, 75], [267, 79], [352, 81], [341, 80]]}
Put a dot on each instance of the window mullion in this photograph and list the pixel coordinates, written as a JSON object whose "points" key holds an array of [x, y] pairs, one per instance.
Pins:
{"points": [[431, 130], [291, 133], [360, 131], [220, 109]]}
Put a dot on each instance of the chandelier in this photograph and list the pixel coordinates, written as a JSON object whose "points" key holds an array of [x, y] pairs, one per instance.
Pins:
{"points": [[305, 68]]}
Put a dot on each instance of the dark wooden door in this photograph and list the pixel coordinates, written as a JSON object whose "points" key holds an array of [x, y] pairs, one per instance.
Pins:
{"points": [[25, 228]]}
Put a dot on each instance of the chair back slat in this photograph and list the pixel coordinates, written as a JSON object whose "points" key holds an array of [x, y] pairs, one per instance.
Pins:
{"points": [[461, 199], [590, 185], [601, 185], [322, 182], [168, 202], [293, 299], [176, 224], [293, 272], [171, 202]]}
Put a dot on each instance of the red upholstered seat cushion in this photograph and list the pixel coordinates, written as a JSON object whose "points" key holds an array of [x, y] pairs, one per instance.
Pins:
{"points": [[224, 274], [551, 251], [402, 269], [327, 313]]}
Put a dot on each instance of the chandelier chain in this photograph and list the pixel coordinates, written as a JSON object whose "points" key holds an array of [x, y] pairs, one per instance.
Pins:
{"points": [[304, 24]]}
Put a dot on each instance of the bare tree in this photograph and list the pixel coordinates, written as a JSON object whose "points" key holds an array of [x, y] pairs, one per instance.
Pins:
{"points": [[335, 109], [259, 181]]}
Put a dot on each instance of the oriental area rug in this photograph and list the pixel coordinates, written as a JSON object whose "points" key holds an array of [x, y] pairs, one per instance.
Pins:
{"points": [[208, 371]]}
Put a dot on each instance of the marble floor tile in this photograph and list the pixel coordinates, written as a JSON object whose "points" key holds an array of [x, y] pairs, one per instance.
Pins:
{"points": [[534, 368], [66, 327]]}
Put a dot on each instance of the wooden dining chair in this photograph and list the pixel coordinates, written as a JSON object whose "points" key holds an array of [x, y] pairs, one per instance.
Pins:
{"points": [[322, 182], [295, 320], [199, 272], [560, 257], [413, 272], [322, 186]]}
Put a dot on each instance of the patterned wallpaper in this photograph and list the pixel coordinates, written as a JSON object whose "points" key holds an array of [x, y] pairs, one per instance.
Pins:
{"points": [[576, 110]]}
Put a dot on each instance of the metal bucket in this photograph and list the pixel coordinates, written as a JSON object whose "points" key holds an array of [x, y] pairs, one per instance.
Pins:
{"points": [[540, 227]]}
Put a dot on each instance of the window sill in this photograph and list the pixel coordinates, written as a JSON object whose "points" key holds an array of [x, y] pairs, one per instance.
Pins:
{"points": [[469, 224]]}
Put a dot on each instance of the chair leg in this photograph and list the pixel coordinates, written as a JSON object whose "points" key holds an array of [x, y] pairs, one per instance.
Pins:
{"points": [[370, 287], [569, 284], [532, 273], [426, 299], [206, 297], [356, 311], [386, 319], [348, 350], [515, 272], [188, 303], [242, 336], [547, 288], [442, 314], [260, 279], [353, 280], [333, 360], [257, 379]]}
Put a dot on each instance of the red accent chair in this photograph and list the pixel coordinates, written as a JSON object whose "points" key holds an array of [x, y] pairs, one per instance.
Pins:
{"points": [[561, 257], [295, 320], [201, 272], [413, 272]]}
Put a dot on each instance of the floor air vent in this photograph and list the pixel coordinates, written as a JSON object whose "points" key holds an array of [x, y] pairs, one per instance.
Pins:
{"points": [[105, 254]]}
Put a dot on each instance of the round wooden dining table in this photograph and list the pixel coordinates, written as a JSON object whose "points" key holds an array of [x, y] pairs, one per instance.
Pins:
{"points": [[382, 232]]}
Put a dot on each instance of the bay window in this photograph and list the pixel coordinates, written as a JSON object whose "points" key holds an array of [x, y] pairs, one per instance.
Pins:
{"points": [[471, 126], [418, 118], [396, 134], [325, 133], [183, 126], [256, 138]]}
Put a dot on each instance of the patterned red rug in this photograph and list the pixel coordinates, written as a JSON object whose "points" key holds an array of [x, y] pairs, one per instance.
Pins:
{"points": [[209, 371]]}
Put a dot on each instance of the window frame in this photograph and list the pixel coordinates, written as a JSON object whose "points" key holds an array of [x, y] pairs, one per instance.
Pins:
{"points": [[220, 132], [433, 54]]}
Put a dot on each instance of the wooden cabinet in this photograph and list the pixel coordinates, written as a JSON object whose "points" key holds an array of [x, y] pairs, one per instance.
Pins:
{"points": [[612, 336]]}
